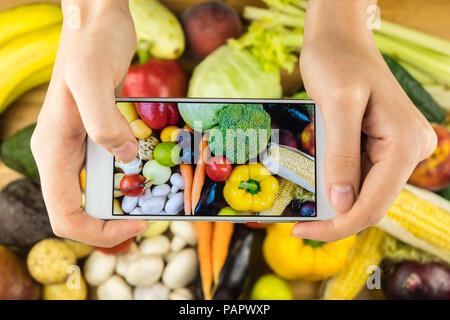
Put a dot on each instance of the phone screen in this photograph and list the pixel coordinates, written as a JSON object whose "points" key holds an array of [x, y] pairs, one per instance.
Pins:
{"points": [[209, 159]]}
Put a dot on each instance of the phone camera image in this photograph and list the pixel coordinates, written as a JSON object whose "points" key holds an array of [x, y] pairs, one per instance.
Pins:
{"points": [[218, 159]]}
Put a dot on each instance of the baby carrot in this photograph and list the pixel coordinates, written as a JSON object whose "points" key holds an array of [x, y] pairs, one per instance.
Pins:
{"points": [[200, 173], [223, 231], [204, 234], [187, 173]]}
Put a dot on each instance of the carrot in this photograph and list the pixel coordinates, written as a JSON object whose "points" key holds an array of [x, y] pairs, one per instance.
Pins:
{"points": [[204, 234], [187, 128], [187, 172], [200, 173], [223, 231]]}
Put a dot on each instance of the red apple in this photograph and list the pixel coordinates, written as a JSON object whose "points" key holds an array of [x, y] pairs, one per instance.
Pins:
{"points": [[307, 138], [433, 173]]}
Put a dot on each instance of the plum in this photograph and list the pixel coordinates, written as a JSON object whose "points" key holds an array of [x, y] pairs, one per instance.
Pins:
{"points": [[287, 138], [208, 25]]}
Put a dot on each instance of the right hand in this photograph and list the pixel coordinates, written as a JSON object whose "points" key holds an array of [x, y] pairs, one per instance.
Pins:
{"points": [[345, 74], [91, 64]]}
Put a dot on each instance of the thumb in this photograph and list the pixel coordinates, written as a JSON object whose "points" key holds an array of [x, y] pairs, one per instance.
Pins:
{"points": [[343, 152], [93, 92]]}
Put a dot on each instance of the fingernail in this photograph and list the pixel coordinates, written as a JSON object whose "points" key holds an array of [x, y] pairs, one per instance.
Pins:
{"points": [[125, 152], [342, 197]]}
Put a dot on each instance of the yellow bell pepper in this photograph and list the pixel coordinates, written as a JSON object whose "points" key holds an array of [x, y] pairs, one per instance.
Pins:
{"points": [[250, 187], [294, 259]]}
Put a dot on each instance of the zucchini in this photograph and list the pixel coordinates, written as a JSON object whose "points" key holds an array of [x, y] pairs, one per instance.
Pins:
{"points": [[424, 102]]}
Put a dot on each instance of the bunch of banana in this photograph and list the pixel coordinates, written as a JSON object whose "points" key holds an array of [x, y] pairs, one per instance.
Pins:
{"points": [[29, 38]]}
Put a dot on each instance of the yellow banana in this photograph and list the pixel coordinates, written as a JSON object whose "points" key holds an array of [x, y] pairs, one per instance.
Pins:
{"points": [[23, 19], [40, 77], [24, 56]]}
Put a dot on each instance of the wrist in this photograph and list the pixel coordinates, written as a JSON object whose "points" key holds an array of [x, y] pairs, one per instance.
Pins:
{"points": [[89, 10], [348, 19]]}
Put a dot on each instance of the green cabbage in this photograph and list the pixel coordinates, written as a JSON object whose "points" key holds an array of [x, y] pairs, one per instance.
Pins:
{"points": [[202, 115], [233, 73]]}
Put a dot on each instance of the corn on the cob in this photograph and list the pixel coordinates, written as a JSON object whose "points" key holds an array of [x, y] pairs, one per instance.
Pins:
{"points": [[282, 199], [291, 165], [353, 276], [421, 219]]}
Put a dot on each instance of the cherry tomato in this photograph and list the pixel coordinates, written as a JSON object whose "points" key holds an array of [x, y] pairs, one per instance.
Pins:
{"points": [[218, 168], [120, 248], [256, 225], [130, 181]]}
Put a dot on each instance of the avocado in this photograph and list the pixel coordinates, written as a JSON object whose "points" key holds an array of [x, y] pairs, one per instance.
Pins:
{"points": [[16, 153]]}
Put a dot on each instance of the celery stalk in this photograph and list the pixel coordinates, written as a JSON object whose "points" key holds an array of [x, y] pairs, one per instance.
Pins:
{"points": [[441, 94], [423, 62], [414, 36], [423, 77], [273, 17]]}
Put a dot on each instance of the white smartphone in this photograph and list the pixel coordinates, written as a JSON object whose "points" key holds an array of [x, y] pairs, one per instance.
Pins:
{"points": [[253, 151]]}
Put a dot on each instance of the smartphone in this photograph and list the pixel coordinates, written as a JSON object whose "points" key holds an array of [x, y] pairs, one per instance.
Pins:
{"points": [[239, 160]]}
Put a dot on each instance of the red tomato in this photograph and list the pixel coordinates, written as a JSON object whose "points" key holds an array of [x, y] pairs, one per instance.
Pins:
{"points": [[256, 225], [130, 181], [120, 248], [218, 168]]}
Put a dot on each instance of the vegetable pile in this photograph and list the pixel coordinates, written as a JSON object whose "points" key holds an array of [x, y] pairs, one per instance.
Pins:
{"points": [[187, 164]]}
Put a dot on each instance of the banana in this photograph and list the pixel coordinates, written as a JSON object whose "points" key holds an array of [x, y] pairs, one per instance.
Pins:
{"points": [[25, 56], [40, 77], [23, 19]]}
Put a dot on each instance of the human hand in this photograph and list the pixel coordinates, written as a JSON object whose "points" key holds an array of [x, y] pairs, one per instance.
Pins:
{"points": [[345, 74], [91, 64]]}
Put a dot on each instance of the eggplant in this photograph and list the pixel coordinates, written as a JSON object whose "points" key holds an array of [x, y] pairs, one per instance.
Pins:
{"points": [[293, 117], [244, 255], [211, 199], [413, 280]]}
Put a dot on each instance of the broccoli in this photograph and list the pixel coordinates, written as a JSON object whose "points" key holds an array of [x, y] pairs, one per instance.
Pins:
{"points": [[243, 131]]}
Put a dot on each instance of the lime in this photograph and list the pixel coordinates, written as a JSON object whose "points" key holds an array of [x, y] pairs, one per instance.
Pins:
{"points": [[167, 154], [228, 211], [271, 287]]}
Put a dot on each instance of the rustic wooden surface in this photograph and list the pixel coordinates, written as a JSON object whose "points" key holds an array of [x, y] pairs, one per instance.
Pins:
{"points": [[430, 16]]}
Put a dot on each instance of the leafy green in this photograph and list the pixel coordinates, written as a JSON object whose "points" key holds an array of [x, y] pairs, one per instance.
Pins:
{"points": [[233, 73], [242, 133]]}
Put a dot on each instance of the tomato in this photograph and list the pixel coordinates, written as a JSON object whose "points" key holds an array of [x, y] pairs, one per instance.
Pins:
{"points": [[130, 181], [120, 248], [218, 168], [256, 225]]}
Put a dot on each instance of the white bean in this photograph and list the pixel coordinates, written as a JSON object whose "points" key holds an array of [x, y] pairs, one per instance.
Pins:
{"points": [[153, 205], [137, 211], [156, 291], [115, 288], [144, 270], [177, 181], [159, 245], [174, 190], [161, 190], [175, 204], [147, 195], [177, 244], [181, 270], [129, 203], [181, 294], [184, 230]]}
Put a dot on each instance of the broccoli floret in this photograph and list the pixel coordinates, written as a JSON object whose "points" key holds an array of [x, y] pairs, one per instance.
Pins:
{"points": [[242, 133]]}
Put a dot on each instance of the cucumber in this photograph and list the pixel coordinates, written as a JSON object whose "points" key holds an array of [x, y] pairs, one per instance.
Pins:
{"points": [[16, 153], [431, 110]]}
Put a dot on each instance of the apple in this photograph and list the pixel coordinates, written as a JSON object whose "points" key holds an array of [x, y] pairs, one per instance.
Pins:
{"points": [[307, 139], [433, 173]]}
